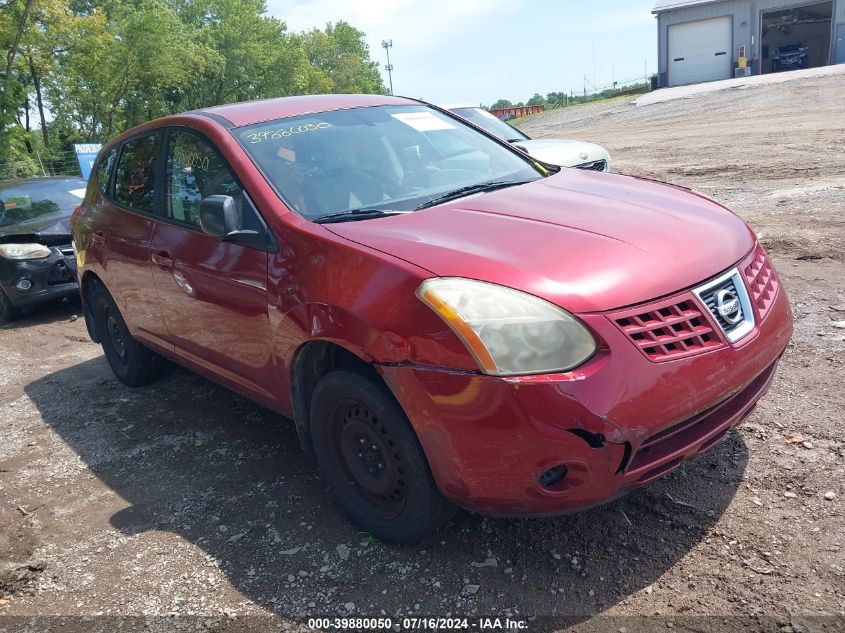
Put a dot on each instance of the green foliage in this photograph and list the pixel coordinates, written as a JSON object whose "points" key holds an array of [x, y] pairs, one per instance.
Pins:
{"points": [[340, 54], [501, 103], [537, 99], [562, 99], [85, 70], [15, 160]]}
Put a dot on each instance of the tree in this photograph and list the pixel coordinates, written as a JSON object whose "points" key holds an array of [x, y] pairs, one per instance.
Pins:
{"points": [[501, 103], [554, 98], [537, 99], [341, 54], [86, 70]]}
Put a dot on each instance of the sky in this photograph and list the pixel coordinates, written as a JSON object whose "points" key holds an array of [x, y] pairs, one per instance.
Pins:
{"points": [[478, 51]]}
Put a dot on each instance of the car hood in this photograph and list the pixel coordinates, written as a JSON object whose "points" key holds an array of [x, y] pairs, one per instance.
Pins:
{"points": [[585, 241], [49, 231], [563, 152]]}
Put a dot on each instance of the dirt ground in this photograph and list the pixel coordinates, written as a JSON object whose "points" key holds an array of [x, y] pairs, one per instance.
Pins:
{"points": [[183, 498]]}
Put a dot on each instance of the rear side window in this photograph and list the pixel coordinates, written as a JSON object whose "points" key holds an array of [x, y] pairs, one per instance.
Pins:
{"points": [[195, 170], [104, 169], [135, 181]]}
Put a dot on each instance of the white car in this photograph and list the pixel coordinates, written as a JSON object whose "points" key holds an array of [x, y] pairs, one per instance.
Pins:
{"points": [[557, 151]]}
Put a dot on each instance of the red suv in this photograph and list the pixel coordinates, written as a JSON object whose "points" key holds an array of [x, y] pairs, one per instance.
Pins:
{"points": [[448, 322]]}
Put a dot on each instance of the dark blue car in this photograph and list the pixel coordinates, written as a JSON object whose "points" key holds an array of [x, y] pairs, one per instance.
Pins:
{"points": [[37, 261], [790, 57]]}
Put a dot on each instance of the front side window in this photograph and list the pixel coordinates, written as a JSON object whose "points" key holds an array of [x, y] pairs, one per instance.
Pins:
{"points": [[396, 158], [195, 170], [104, 169], [135, 180]]}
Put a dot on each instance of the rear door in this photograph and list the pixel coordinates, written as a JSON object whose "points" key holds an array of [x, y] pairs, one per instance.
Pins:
{"points": [[213, 293], [123, 230], [700, 51]]}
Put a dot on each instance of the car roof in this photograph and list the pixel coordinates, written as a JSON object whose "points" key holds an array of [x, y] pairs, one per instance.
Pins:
{"points": [[248, 112]]}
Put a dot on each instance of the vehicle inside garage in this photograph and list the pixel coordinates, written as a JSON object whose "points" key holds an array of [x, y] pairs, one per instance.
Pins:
{"points": [[798, 37]]}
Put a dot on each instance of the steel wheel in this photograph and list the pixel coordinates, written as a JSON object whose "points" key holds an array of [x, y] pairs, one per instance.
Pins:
{"points": [[370, 458], [132, 363], [115, 334]]}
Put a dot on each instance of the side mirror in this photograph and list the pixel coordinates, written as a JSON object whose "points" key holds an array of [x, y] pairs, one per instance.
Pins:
{"points": [[218, 215]]}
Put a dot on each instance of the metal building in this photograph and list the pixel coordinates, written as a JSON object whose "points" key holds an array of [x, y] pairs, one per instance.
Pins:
{"points": [[706, 40]]}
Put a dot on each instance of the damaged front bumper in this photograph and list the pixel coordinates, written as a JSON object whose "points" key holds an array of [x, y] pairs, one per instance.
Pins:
{"points": [[32, 281], [616, 423]]}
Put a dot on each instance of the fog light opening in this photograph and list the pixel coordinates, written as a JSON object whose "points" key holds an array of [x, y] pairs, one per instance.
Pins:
{"points": [[553, 476], [23, 284]]}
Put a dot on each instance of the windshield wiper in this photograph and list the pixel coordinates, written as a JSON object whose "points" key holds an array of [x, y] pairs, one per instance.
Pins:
{"points": [[469, 190], [356, 214]]}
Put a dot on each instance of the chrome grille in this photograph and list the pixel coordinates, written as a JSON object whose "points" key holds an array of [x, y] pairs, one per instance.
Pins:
{"points": [[727, 301]]}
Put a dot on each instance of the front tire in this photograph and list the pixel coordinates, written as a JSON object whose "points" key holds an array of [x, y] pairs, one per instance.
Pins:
{"points": [[133, 364], [372, 459]]}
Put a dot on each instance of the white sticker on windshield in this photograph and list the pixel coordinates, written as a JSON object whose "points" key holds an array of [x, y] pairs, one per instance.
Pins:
{"points": [[79, 193], [423, 121]]}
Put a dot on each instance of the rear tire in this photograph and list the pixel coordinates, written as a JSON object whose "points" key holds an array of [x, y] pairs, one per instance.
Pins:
{"points": [[8, 312], [133, 364], [372, 459]]}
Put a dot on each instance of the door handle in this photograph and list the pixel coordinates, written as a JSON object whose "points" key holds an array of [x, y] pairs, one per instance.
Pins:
{"points": [[98, 238], [162, 259]]}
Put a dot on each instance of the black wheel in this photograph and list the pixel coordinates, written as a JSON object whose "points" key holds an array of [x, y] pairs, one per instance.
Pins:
{"points": [[8, 312], [133, 364], [373, 461]]}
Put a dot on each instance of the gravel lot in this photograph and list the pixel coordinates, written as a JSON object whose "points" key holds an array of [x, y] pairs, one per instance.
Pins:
{"points": [[185, 498]]}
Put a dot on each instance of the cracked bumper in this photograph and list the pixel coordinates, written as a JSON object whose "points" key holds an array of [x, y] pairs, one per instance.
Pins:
{"points": [[489, 439]]}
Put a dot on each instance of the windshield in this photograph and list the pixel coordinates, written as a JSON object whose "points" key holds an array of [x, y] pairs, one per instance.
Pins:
{"points": [[395, 158], [24, 201], [492, 124], [790, 48]]}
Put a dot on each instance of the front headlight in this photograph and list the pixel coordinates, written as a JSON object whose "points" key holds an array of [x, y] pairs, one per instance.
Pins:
{"points": [[508, 332], [24, 251]]}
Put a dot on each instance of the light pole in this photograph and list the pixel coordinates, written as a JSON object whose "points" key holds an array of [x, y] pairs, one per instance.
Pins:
{"points": [[387, 44]]}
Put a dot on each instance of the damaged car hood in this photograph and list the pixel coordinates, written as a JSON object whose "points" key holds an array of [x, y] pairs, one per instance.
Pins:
{"points": [[585, 241], [50, 231]]}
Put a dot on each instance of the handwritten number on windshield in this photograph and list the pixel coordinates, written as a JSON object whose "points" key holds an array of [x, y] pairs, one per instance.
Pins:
{"points": [[275, 135]]}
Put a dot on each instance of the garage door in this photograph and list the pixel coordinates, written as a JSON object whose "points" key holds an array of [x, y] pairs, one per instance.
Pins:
{"points": [[700, 51]]}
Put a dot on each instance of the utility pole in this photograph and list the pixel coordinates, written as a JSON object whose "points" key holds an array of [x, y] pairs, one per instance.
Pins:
{"points": [[387, 44]]}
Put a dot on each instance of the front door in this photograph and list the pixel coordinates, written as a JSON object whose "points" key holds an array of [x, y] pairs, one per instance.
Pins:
{"points": [[213, 293]]}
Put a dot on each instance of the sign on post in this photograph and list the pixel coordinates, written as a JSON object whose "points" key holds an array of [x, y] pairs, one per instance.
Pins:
{"points": [[86, 154]]}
